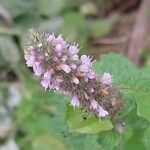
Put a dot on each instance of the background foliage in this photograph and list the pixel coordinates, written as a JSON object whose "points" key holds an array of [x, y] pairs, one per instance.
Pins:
{"points": [[35, 119]]}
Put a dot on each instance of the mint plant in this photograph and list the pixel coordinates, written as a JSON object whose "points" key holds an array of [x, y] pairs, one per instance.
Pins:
{"points": [[128, 129], [61, 69]]}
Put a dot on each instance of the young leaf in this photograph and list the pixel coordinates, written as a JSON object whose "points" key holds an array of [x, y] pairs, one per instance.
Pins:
{"points": [[78, 123]]}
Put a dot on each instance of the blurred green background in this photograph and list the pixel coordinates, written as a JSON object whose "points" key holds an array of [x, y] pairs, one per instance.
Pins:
{"points": [[30, 118]]}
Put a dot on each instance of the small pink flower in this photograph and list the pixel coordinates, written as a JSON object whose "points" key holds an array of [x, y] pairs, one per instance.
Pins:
{"points": [[75, 80], [91, 74], [94, 104], [30, 58], [91, 90], [86, 60], [45, 83], [106, 79], [37, 68], [73, 66], [102, 112], [56, 83], [73, 49], [86, 79], [50, 38], [58, 48], [75, 101], [64, 58], [66, 68], [75, 57], [83, 68], [48, 73]]}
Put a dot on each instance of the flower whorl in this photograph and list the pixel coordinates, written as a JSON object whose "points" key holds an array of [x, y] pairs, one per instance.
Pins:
{"points": [[59, 66]]}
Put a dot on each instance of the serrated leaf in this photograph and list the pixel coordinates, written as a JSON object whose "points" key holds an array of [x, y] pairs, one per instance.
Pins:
{"points": [[133, 83], [74, 118], [109, 140], [146, 138]]}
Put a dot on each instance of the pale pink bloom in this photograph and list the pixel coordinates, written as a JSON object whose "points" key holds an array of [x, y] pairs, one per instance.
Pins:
{"points": [[30, 58], [91, 90], [102, 112], [75, 80], [59, 39], [106, 79], [86, 79], [50, 38], [66, 68], [86, 60], [58, 48], [83, 68], [75, 101], [75, 57], [30, 61], [94, 104], [64, 58], [37, 68], [73, 66], [47, 79], [91, 74], [73, 49], [45, 83], [48, 73], [56, 83], [41, 57]]}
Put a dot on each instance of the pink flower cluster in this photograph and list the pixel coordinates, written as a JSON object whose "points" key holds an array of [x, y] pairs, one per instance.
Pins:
{"points": [[60, 68]]}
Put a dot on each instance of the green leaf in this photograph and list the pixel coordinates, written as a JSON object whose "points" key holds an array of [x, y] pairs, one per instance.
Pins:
{"points": [[109, 140], [18, 7], [75, 24], [79, 141], [47, 142], [9, 50], [146, 138], [100, 28], [135, 142], [50, 7], [90, 125], [134, 83]]}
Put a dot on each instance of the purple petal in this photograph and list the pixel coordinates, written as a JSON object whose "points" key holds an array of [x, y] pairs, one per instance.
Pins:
{"points": [[75, 80], [45, 83], [102, 112], [94, 104], [66, 68], [75, 101], [106, 79], [83, 68], [37, 68], [73, 49]]}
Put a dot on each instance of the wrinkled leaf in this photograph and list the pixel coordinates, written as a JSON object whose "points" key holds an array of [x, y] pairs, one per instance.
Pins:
{"points": [[133, 83], [77, 123], [146, 138]]}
